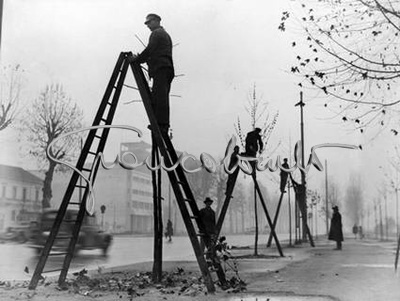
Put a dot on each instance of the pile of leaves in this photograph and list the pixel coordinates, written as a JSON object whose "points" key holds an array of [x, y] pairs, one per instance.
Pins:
{"points": [[178, 281], [137, 284]]}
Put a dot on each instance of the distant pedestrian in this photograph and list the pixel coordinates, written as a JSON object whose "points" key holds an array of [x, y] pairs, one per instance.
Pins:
{"points": [[355, 231], [233, 161], [284, 175], [335, 232], [360, 232], [169, 231]]}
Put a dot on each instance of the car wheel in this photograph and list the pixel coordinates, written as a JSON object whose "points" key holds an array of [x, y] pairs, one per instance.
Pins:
{"points": [[105, 250]]}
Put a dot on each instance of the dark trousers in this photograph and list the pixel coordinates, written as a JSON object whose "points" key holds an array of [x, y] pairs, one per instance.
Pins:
{"points": [[283, 183], [229, 183], [162, 79], [210, 241]]}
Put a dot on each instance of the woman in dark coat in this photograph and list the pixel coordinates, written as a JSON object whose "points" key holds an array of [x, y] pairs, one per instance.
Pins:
{"points": [[335, 232]]}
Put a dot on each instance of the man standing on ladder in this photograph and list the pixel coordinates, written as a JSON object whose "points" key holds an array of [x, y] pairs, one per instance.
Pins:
{"points": [[284, 175], [158, 56], [254, 144]]}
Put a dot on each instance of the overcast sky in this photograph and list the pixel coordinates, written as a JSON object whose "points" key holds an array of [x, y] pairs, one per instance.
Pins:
{"points": [[222, 49]]}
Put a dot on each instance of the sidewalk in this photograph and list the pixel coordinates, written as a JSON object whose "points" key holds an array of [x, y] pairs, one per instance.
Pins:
{"points": [[362, 271]]}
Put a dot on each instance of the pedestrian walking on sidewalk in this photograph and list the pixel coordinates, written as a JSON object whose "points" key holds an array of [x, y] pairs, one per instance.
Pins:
{"points": [[335, 232], [169, 231], [158, 56], [355, 231]]}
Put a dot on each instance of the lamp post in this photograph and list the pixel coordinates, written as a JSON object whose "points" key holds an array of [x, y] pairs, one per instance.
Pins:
{"points": [[301, 104]]}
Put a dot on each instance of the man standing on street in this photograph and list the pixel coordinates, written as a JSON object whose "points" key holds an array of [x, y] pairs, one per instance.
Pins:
{"points": [[207, 216], [158, 56], [209, 230], [335, 232]]}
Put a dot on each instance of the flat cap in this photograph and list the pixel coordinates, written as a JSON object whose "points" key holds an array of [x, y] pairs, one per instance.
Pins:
{"points": [[150, 17]]}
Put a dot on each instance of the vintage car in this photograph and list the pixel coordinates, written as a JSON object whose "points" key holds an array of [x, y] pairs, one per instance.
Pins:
{"points": [[90, 236], [19, 233]]}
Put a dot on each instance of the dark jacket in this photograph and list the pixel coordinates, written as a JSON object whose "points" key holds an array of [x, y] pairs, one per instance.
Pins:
{"points": [[207, 216], [335, 233], [253, 141], [158, 53]]}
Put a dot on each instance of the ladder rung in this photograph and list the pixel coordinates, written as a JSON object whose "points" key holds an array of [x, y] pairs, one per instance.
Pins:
{"points": [[86, 169], [74, 203], [63, 237], [97, 136], [102, 119], [188, 200], [193, 216], [80, 186], [92, 153], [50, 271], [58, 253]]}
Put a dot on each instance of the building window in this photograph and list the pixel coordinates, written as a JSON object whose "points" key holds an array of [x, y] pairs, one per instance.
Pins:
{"points": [[14, 194], [24, 194], [13, 215], [4, 191], [37, 195]]}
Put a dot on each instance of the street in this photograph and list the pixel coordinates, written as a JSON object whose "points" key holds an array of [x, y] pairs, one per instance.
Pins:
{"points": [[362, 271], [124, 250]]}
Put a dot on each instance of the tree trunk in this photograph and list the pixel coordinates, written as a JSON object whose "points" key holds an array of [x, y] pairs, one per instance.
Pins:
{"points": [[48, 179], [157, 214], [256, 221]]}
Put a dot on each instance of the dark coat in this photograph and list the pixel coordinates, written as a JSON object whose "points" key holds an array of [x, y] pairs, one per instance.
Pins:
{"points": [[253, 143], [335, 233], [158, 53], [207, 216]]}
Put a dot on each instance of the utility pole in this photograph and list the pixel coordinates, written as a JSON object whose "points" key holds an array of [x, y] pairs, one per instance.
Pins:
{"points": [[326, 198], [289, 184], [301, 104]]}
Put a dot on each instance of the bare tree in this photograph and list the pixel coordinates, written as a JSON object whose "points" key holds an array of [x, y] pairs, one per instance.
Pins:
{"points": [[52, 114], [201, 183], [348, 51], [354, 199], [10, 88], [257, 108]]}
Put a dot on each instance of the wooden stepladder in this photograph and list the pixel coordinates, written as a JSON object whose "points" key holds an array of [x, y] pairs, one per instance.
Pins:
{"points": [[97, 139], [95, 143], [224, 208]]}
